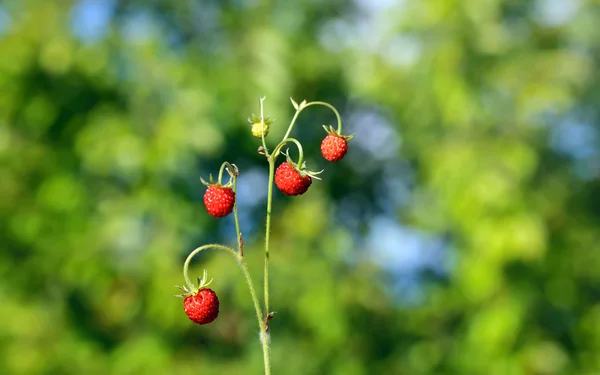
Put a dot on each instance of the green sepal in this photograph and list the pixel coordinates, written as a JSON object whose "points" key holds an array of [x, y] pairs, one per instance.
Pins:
{"points": [[254, 119], [302, 168], [330, 130], [202, 284]]}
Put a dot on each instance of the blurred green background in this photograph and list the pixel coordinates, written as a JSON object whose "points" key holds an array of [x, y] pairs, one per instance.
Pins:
{"points": [[460, 235]]}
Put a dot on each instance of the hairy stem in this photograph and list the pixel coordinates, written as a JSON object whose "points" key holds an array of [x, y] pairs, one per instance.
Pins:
{"points": [[268, 231], [186, 265], [237, 222], [223, 167], [262, 325], [293, 122], [264, 339], [277, 150], [262, 122]]}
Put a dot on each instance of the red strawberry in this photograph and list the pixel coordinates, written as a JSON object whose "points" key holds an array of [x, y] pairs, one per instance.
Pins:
{"points": [[334, 146], [200, 303], [289, 180], [219, 200], [292, 180], [202, 307]]}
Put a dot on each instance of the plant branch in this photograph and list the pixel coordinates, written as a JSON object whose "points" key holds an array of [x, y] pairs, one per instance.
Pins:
{"points": [[262, 122], [264, 334], [186, 265], [277, 149], [238, 232], [300, 109], [268, 231]]}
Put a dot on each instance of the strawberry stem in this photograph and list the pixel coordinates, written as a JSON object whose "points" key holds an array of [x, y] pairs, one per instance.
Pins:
{"points": [[234, 175], [261, 322], [298, 144], [262, 122], [186, 265], [268, 229], [272, 160], [231, 169], [301, 108]]}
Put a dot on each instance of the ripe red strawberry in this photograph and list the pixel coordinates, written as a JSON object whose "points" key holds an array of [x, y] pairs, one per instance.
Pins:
{"points": [[219, 200], [334, 146], [202, 307], [200, 303], [290, 181]]}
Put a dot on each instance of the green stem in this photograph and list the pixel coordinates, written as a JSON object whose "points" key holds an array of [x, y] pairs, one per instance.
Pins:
{"points": [[186, 265], [264, 334], [262, 122], [237, 222], [287, 134], [282, 143], [231, 170], [223, 166], [337, 115], [268, 230]]}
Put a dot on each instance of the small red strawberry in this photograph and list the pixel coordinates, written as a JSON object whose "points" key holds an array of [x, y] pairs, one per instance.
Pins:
{"points": [[202, 307], [334, 146], [200, 304], [291, 180], [219, 200]]}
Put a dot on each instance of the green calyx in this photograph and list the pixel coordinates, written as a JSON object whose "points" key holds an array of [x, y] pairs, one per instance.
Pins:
{"points": [[330, 130], [212, 182], [191, 289], [301, 169], [231, 169]]}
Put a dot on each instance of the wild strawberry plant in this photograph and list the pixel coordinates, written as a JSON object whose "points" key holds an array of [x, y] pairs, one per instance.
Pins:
{"points": [[292, 178]]}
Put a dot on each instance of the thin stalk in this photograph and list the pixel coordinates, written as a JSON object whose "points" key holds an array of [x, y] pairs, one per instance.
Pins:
{"points": [[277, 149], [186, 265], [264, 339], [223, 167], [337, 115], [287, 134], [262, 122], [237, 222], [268, 231], [242, 261]]}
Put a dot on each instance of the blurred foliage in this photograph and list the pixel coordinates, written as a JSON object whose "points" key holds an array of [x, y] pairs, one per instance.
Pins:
{"points": [[476, 161]]}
